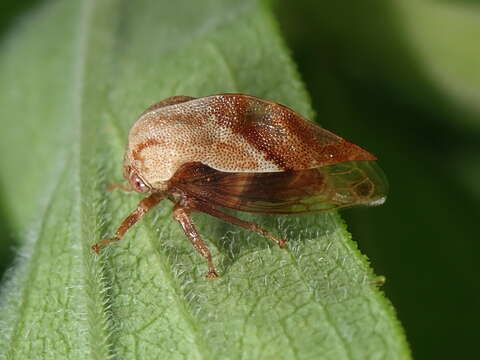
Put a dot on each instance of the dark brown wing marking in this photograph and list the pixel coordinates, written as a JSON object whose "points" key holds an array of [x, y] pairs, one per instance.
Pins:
{"points": [[283, 136], [313, 190], [251, 124]]}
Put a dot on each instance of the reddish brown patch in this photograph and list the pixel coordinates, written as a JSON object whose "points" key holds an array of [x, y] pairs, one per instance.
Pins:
{"points": [[345, 151], [287, 139], [136, 153], [250, 133]]}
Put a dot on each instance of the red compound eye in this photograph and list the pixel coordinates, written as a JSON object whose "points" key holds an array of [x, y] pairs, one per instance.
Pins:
{"points": [[138, 184]]}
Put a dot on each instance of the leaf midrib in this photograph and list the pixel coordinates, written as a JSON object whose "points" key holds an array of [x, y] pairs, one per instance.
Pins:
{"points": [[105, 345]]}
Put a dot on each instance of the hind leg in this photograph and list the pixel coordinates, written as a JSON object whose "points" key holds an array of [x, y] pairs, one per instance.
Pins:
{"points": [[239, 222]]}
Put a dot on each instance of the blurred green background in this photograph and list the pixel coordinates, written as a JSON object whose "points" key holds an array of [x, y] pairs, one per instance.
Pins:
{"points": [[402, 79]]}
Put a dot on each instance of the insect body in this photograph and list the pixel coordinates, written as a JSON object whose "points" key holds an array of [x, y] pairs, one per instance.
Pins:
{"points": [[244, 153]]}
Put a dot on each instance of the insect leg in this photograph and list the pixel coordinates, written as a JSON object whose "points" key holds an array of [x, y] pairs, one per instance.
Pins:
{"points": [[180, 214], [239, 222], [123, 187], [143, 207]]}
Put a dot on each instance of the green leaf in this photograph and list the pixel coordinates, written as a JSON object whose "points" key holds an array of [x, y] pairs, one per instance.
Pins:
{"points": [[74, 77]]}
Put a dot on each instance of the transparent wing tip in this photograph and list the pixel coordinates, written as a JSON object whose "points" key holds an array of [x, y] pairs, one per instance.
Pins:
{"points": [[377, 202]]}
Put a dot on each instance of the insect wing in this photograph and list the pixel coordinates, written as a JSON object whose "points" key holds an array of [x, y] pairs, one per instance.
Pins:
{"points": [[322, 189], [283, 136]]}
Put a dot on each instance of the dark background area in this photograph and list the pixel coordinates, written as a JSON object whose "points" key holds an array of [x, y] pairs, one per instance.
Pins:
{"points": [[11, 10], [368, 84]]}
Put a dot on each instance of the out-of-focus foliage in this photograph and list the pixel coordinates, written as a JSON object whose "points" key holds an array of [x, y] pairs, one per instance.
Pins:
{"points": [[402, 78]]}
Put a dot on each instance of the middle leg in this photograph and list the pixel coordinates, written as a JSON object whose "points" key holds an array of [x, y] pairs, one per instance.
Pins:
{"points": [[181, 215]]}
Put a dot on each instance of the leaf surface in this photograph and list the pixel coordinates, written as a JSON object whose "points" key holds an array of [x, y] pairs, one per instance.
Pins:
{"points": [[75, 75]]}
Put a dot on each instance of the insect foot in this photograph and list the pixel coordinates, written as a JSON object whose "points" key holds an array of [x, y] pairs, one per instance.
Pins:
{"points": [[212, 274], [96, 247]]}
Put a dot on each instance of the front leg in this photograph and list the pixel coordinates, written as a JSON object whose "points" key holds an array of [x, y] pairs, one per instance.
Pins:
{"points": [[143, 207], [124, 187]]}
